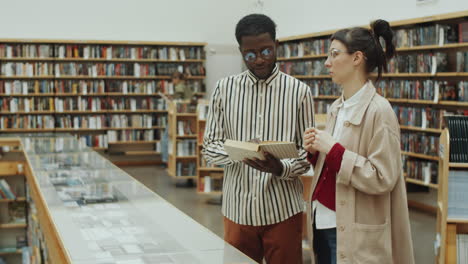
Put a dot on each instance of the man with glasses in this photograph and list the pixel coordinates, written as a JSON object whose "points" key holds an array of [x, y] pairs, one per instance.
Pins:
{"points": [[262, 199]]}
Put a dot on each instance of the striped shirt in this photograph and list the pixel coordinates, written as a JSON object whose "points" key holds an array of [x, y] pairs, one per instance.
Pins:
{"points": [[244, 107]]}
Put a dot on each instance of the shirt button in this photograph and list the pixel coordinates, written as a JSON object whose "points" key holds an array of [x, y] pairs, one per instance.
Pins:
{"points": [[342, 255], [346, 123], [342, 203], [342, 228]]}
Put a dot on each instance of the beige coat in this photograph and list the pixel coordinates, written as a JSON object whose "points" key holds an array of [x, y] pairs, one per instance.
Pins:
{"points": [[371, 206]]}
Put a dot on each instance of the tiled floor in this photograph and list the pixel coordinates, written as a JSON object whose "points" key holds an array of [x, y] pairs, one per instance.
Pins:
{"points": [[194, 205]]}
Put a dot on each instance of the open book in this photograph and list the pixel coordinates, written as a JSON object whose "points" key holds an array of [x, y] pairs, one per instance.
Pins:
{"points": [[240, 150]]}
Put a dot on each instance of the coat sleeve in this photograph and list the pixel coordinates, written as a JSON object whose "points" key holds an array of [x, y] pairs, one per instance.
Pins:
{"points": [[214, 137], [380, 170], [293, 168]]}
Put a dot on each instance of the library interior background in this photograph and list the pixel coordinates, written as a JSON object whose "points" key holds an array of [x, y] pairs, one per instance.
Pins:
{"points": [[101, 141]]}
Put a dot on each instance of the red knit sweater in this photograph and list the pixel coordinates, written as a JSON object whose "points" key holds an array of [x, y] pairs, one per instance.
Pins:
{"points": [[326, 186]]}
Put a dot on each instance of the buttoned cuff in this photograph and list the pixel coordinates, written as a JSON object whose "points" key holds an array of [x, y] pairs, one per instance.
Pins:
{"points": [[344, 175]]}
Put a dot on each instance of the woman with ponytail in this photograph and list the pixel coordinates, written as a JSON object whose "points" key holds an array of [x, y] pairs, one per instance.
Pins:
{"points": [[358, 211]]}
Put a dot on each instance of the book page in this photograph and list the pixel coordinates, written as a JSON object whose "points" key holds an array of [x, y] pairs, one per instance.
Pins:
{"points": [[281, 150], [238, 150]]}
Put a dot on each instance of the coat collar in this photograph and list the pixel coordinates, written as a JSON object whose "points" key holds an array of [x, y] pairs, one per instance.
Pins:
{"points": [[368, 93]]}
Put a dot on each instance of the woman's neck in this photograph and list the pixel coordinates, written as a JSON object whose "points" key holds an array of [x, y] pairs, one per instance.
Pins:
{"points": [[352, 86]]}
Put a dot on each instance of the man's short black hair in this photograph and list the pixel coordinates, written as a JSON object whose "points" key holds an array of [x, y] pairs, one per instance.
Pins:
{"points": [[254, 25]]}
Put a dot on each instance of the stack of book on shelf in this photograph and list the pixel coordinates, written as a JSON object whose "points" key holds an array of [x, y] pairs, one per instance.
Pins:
{"points": [[458, 127], [458, 179], [212, 183], [458, 195], [462, 248]]}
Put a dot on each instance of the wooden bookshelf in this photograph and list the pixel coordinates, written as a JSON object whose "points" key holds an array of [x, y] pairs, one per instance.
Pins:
{"points": [[57, 61], [182, 133], [314, 46], [13, 172], [18, 199], [419, 182], [447, 228], [420, 156], [419, 129], [404, 49], [6, 253], [209, 178]]}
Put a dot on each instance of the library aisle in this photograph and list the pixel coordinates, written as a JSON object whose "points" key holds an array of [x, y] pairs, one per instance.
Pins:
{"points": [[186, 199]]}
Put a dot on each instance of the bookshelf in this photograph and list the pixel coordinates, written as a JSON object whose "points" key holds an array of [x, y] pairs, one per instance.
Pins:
{"points": [[426, 81], [13, 206], [449, 227], [209, 177], [107, 93], [182, 141]]}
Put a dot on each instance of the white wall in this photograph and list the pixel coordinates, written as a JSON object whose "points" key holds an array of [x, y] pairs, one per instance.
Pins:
{"points": [[297, 17], [211, 21]]}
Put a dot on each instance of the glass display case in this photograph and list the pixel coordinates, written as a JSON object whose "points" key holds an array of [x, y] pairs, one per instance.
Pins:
{"points": [[102, 215]]}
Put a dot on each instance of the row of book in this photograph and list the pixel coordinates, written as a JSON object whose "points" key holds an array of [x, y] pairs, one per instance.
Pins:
{"points": [[410, 89], [419, 116], [203, 109], [148, 121], [458, 129], [100, 51], [5, 190], [211, 183], [98, 141], [457, 194], [419, 63], [462, 248], [186, 147], [26, 51], [185, 127], [304, 48], [436, 34], [82, 121], [323, 87], [420, 143], [425, 171], [186, 169], [132, 135], [126, 52], [314, 68], [424, 90], [35, 237], [110, 122], [185, 107], [32, 69], [102, 141], [90, 87], [14, 105], [462, 61], [61, 104], [27, 122], [322, 107], [29, 69]]}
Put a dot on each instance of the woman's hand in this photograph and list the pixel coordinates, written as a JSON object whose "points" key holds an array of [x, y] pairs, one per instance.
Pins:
{"points": [[323, 141], [309, 138]]}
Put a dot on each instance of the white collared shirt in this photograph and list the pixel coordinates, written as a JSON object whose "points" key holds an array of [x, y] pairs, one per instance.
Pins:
{"points": [[243, 107], [324, 217]]}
